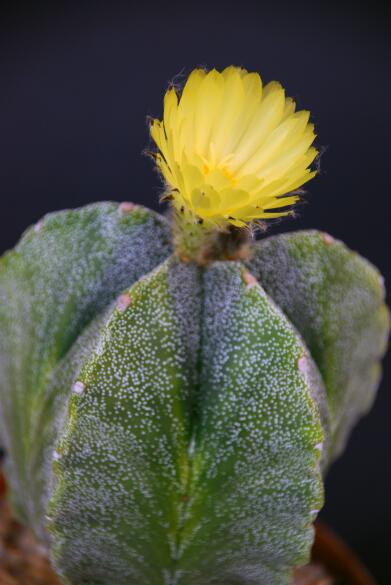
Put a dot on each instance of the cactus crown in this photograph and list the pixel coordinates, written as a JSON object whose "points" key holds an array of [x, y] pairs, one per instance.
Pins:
{"points": [[168, 415]]}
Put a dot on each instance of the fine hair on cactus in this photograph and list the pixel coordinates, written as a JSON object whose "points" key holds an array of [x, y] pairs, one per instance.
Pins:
{"points": [[173, 389]]}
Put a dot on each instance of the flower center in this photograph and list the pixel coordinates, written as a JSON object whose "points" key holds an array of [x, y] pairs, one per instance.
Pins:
{"points": [[224, 170]]}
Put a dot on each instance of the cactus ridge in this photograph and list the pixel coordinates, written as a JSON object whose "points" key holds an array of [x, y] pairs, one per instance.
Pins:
{"points": [[336, 300], [193, 464], [167, 423], [63, 272]]}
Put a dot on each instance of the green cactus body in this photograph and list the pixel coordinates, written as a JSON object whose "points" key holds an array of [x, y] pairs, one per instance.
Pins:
{"points": [[64, 272], [335, 299], [165, 422]]}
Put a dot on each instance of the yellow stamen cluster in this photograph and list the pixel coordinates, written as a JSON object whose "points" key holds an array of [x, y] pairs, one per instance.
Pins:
{"points": [[232, 150]]}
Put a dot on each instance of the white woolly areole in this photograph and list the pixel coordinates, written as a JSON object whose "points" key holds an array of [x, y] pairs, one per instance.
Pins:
{"points": [[78, 388]]}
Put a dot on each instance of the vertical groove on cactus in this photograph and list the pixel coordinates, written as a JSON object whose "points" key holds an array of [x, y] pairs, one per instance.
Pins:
{"points": [[136, 413], [165, 421], [224, 492], [185, 287], [230, 524]]}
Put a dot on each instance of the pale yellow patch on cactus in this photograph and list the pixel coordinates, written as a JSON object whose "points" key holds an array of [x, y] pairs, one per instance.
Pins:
{"points": [[232, 150]]}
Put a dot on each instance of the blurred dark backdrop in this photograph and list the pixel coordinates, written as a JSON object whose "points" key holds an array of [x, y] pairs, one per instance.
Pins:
{"points": [[77, 82]]}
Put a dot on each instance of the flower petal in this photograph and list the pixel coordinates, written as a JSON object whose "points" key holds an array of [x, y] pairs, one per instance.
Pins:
{"points": [[231, 149]]}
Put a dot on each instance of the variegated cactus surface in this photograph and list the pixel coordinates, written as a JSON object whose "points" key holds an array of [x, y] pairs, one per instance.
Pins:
{"points": [[167, 423], [63, 273], [335, 299]]}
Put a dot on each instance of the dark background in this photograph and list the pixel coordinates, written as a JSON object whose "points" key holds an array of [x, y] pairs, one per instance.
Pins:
{"points": [[78, 81]]}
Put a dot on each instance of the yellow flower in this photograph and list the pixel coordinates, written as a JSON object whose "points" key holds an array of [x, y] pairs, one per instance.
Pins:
{"points": [[232, 150]]}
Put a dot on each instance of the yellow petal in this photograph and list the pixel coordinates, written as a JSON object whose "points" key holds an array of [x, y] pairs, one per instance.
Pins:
{"points": [[189, 93], [236, 222], [231, 108], [233, 198], [284, 137], [170, 108], [250, 183], [200, 200], [252, 84], [209, 97], [282, 202], [192, 177], [267, 117], [205, 201], [217, 179], [165, 169], [231, 149], [283, 163], [289, 108]]}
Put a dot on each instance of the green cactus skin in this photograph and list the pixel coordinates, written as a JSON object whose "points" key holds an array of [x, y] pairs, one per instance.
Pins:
{"points": [[172, 434], [191, 466], [64, 272], [335, 298]]}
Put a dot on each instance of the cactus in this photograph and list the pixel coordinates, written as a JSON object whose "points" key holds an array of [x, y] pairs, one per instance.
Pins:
{"points": [[172, 391]]}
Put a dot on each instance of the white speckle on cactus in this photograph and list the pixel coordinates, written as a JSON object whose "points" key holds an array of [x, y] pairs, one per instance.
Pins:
{"points": [[78, 388], [51, 288], [199, 429], [128, 434], [193, 456], [38, 226], [123, 302], [333, 298], [192, 446]]}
